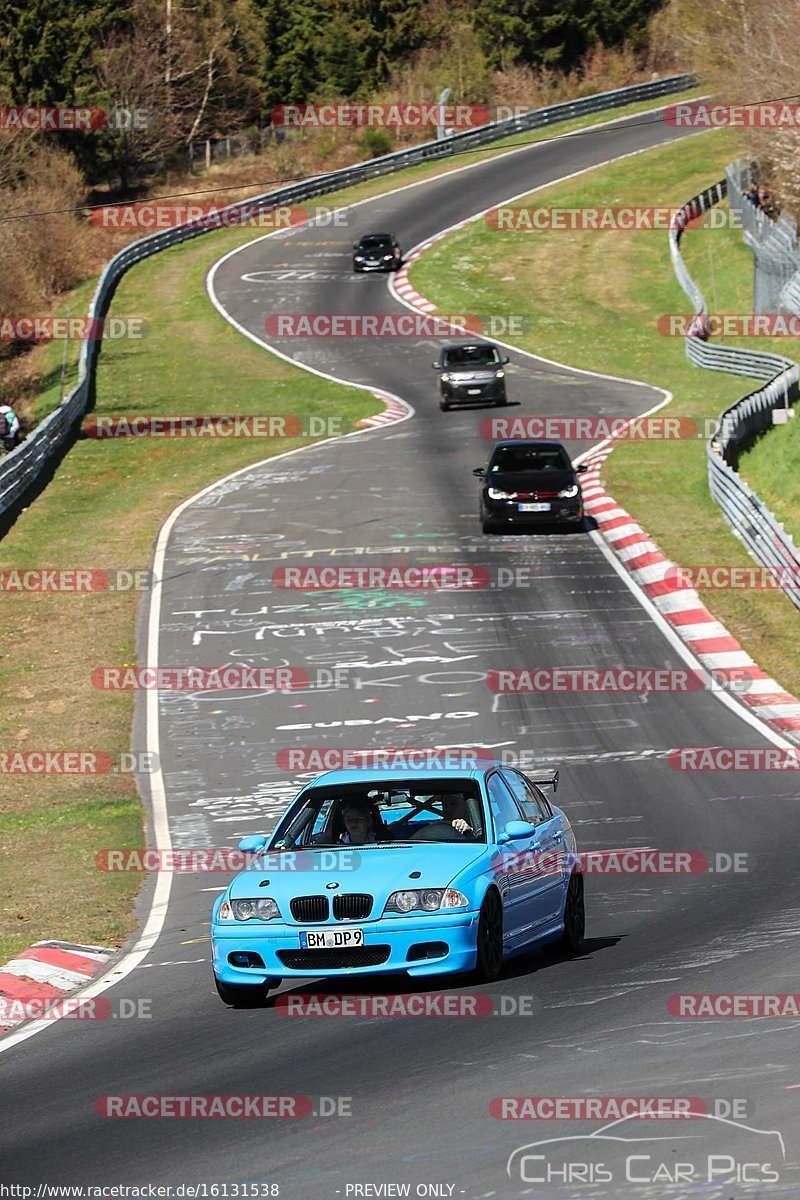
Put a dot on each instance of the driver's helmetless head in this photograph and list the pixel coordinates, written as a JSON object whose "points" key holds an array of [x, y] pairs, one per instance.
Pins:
{"points": [[454, 807], [357, 821]]}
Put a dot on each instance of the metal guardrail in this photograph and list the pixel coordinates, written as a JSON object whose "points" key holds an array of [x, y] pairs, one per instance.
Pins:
{"points": [[24, 465], [748, 516]]}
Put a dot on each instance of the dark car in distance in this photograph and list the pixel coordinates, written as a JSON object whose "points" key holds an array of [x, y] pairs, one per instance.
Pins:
{"points": [[529, 483], [471, 373], [377, 252]]}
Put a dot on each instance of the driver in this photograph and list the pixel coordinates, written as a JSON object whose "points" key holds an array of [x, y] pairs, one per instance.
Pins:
{"points": [[359, 823]]}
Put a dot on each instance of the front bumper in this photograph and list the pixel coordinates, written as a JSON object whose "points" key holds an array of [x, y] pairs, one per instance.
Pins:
{"points": [[389, 266], [560, 511], [473, 393], [454, 935]]}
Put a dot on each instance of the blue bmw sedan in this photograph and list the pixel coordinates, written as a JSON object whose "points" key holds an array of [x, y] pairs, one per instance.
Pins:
{"points": [[398, 870]]}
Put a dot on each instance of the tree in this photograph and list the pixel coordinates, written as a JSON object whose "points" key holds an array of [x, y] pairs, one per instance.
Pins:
{"points": [[557, 33], [46, 57], [746, 51]]}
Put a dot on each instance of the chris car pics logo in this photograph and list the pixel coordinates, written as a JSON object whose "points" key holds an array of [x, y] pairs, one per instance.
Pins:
{"points": [[675, 1158]]}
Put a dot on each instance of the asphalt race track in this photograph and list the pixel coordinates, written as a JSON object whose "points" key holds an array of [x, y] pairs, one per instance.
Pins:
{"points": [[412, 669]]}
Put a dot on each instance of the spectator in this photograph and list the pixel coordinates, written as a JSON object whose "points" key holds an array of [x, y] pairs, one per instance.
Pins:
{"points": [[10, 433], [752, 194]]}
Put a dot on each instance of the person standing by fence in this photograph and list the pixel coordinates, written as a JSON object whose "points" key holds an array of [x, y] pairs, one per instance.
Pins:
{"points": [[10, 433]]}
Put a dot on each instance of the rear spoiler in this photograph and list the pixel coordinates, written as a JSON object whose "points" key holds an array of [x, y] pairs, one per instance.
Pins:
{"points": [[551, 781]]}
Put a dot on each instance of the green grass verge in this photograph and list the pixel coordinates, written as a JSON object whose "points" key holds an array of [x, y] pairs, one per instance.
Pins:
{"points": [[593, 299], [770, 468]]}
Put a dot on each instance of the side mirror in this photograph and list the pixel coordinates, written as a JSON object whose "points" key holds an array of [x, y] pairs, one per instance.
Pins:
{"points": [[355, 245], [581, 468], [436, 366], [253, 843], [506, 360], [479, 472], [516, 830]]}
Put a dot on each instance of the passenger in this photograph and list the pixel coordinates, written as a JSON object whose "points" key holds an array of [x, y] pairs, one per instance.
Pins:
{"points": [[454, 808]]}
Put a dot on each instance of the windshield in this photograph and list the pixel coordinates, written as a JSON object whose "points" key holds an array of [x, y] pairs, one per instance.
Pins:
{"points": [[367, 814], [529, 458], [471, 356], [375, 243]]}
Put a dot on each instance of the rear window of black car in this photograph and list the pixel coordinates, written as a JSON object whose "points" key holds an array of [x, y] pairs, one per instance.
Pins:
{"points": [[529, 458]]}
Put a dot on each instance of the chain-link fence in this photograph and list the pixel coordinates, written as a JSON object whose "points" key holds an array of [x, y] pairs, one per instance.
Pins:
{"points": [[776, 253]]}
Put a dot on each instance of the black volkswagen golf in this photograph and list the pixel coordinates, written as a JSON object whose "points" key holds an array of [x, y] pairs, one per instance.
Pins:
{"points": [[377, 252], [529, 483]]}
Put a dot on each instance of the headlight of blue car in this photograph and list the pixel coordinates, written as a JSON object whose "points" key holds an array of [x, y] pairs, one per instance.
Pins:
{"points": [[425, 900], [263, 908]]}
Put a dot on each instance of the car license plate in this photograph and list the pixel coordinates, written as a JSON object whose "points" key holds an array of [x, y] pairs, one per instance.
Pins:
{"points": [[473, 391], [534, 507], [331, 939]]}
